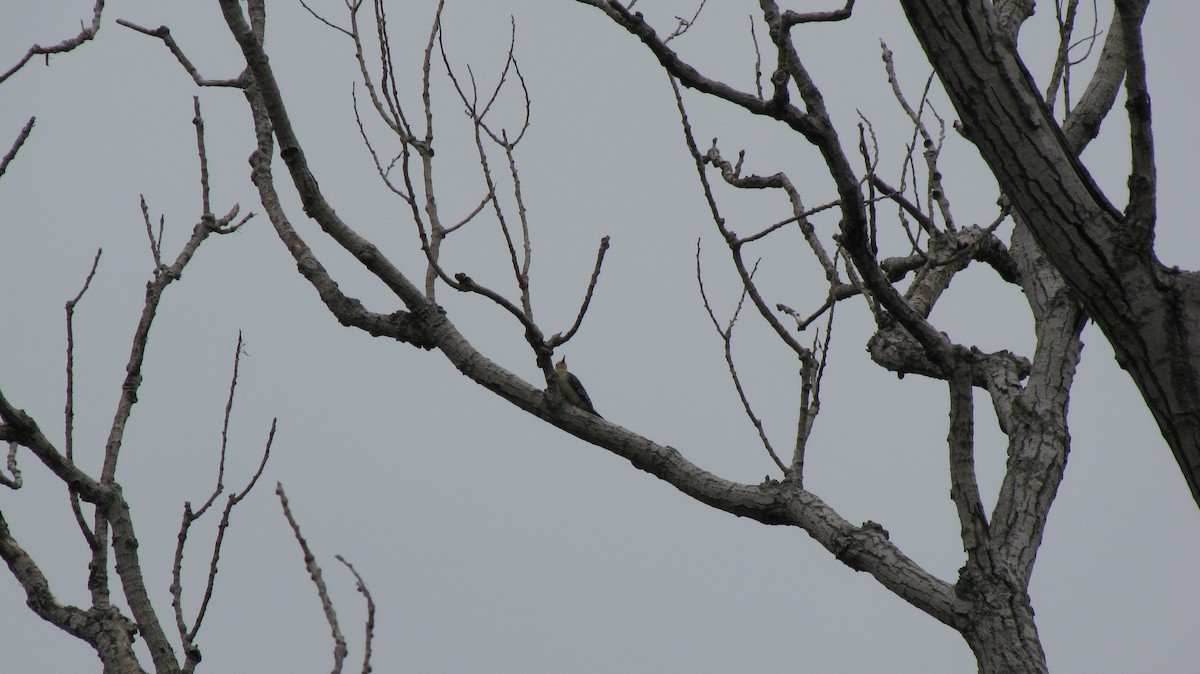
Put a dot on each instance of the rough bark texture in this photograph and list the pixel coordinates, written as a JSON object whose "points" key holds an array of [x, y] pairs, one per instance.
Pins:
{"points": [[1148, 313], [1071, 251]]}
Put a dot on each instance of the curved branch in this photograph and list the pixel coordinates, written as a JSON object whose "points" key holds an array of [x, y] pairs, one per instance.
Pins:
{"points": [[863, 548], [85, 33], [315, 205], [560, 339]]}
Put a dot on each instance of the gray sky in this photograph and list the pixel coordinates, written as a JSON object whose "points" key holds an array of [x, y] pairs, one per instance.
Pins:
{"points": [[490, 541]]}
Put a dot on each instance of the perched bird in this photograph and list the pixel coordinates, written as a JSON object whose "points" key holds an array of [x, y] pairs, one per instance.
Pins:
{"points": [[572, 389]]}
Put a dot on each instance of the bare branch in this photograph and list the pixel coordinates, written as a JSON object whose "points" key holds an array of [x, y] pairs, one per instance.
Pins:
{"points": [[85, 33], [932, 148], [795, 218], [198, 122], [112, 511], [1141, 210], [16, 146], [164, 275], [10, 464], [329, 23], [726, 335], [732, 175], [108, 632], [269, 100], [69, 409], [777, 108], [757, 59], [314, 572], [115, 515], [734, 245], [464, 283], [384, 171], [684, 24], [188, 636], [1061, 74], [369, 628], [1084, 122], [155, 242], [164, 33], [560, 339], [791, 17], [964, 487], [404, 326], [812, 371], [897, 195]]}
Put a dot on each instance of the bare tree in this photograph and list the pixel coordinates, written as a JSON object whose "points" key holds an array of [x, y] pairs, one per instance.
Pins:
{"points": [[898, 245], [105, 625]]}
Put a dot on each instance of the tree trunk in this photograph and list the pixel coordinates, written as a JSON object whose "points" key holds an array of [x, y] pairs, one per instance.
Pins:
{"points": [[1149, 314], [999, 626]]}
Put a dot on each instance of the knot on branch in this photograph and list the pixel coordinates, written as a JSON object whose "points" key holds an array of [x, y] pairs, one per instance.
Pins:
{"points": [[416, 327], [876, 527], [854, 546], [896, 350]]}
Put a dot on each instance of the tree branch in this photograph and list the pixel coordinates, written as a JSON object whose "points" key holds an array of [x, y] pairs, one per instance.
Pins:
{"points": [[18, 142], [1146, 312], [85, 33]]}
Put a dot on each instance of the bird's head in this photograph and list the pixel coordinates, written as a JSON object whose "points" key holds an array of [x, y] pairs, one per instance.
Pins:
{"points": [[561, 364]]}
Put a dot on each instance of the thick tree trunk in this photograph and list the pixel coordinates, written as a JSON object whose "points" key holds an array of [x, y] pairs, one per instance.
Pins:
{"points": [[999, 627], [1149, 314]]}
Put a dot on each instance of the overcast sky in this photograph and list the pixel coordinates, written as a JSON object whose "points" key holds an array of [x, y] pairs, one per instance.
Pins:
{"points": [[492, 542]]}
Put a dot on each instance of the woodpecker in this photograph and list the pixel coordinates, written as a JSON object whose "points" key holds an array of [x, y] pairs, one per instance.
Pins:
{"points": [[572, 389]]}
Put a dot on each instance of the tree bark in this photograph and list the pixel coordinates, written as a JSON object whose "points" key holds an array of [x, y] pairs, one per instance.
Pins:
{"points": [[999, 627], [1149, 314]]}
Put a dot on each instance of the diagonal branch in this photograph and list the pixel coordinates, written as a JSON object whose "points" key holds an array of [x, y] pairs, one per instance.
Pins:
{"points": [[559, 339], [1147, 313], [863, 548], [163, 33], [18, 142], [726, 334], [318, 579], [86, 32]]}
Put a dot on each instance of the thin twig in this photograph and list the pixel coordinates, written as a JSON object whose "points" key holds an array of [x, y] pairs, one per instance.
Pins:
{"points": [[314, 572], [932, 148], [222, 526], [757, 59], [734, 245], [685, 24], [1061, 73], [325, 21], [16, 146], [163, 33], [69, 410], [369, 627], [560, 339], [726, 334]]}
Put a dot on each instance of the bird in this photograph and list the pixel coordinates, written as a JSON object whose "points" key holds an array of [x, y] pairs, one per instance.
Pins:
{"points": [[572, 389]]}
